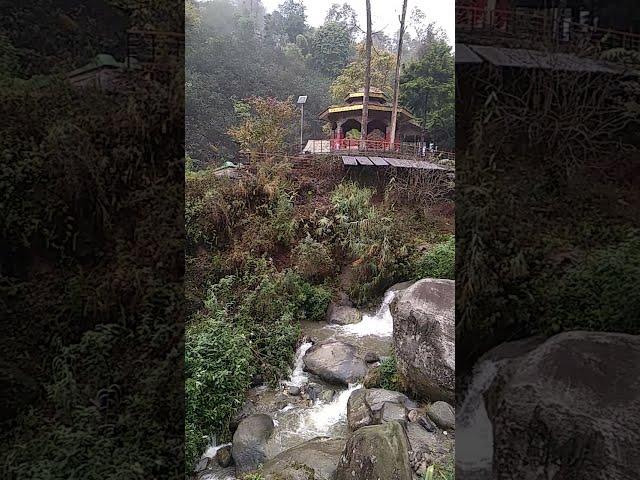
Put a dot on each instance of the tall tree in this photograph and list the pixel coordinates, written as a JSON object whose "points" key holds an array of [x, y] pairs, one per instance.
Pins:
{"points": [[396, 81], [344, 15], [367, 81], [350, 78], [331, 47], [295, 18], [427, 87]]}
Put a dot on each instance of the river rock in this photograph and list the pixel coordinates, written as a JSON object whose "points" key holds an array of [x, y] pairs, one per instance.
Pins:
{"points": [[442, 415], [293, 390], [426, 423], [223, 456], [202, 464], [316, 459], [371, 357], [571, 404], [343, 315], [250, 441], [424, 337], [327, 395], [365, 406], [428, 447], [248, 408], [372, 378], [376, 452], [335, 362], [344, 300], [393, 411], [313, 391]]}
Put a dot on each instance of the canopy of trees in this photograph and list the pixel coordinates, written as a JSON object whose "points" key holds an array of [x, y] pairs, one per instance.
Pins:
{"points": [[236, 50], [428, 90]]}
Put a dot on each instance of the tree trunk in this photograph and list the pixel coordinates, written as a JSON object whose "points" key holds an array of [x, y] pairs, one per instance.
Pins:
{"points": [[367, 82], [396, 82]]}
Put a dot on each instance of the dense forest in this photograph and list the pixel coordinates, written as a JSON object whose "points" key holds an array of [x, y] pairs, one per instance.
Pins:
{"points": [[91, 192], [234, 50]]}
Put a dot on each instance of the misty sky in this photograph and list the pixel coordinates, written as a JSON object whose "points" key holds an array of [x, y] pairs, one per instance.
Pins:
{"points": [[384, 13]]}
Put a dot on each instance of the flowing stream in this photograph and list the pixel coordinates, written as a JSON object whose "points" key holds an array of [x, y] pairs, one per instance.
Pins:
{"points": [[474, 448], [298, 421]]}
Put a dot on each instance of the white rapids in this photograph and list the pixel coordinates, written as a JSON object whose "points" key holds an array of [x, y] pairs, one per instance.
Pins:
{"points": [[474, 431], [380, 324], [297, 421]]}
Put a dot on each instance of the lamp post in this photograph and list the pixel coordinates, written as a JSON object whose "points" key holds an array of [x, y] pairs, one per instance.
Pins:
{"points": [[302, 99]]}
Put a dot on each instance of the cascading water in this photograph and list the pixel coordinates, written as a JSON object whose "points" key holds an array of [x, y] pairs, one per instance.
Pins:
{"points": [[380, 324], [298, 375], [474, 449], [216, 472], [298, 422]]}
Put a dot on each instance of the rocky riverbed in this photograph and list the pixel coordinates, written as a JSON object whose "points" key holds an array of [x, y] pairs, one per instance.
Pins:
{"points": [[322, 424]]}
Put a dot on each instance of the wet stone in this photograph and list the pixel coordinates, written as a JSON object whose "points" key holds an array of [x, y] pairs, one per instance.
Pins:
{"points": [[294, 390], [223, 456]]}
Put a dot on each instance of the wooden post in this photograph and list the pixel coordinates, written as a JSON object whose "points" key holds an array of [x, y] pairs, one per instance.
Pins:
{"points": [[396, 82]]}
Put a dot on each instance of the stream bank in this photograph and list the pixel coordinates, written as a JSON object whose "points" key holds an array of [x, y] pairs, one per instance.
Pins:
{"points": [[321, 419]]}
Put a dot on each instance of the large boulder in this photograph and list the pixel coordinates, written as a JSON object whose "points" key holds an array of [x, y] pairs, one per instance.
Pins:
{"points": [[335, 362], [317, 459], [568, 407], [424, 337], [372, 406], [428, 447], [376, 452], [442, 415], [343, 315], [250, 442]]}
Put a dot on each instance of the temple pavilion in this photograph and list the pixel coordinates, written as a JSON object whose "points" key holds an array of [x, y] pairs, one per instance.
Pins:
{"points": [[347, 117]]}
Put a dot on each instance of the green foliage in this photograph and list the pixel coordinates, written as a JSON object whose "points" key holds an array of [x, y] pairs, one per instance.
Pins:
{"points": [[214, 205], [441, 472], [331, 48], [266, 124], [438, 262], [389, 377], [427, 88], [93, 254], [227, 59], [368, 235], [351, 201], [313, 259], [218, 369], [351, 79], [343, 15], [249, 324], [594, 294], [294, 15]]}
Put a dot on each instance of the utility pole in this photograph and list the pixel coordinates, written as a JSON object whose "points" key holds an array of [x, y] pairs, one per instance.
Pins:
{"points": [[396, 82], [367, 82], [302, 99]]}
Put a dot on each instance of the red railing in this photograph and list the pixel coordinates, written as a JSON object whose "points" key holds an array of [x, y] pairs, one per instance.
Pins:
{"points": [[414, 151], [541, 26], [347, 146]]}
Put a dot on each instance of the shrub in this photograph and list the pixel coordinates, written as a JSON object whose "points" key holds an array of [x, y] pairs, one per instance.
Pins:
{"points": [[218, 369], [389, 377], [598, 293], [351, 202], [439, 262], [369, 236], [313, 260], [214, 205]]}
